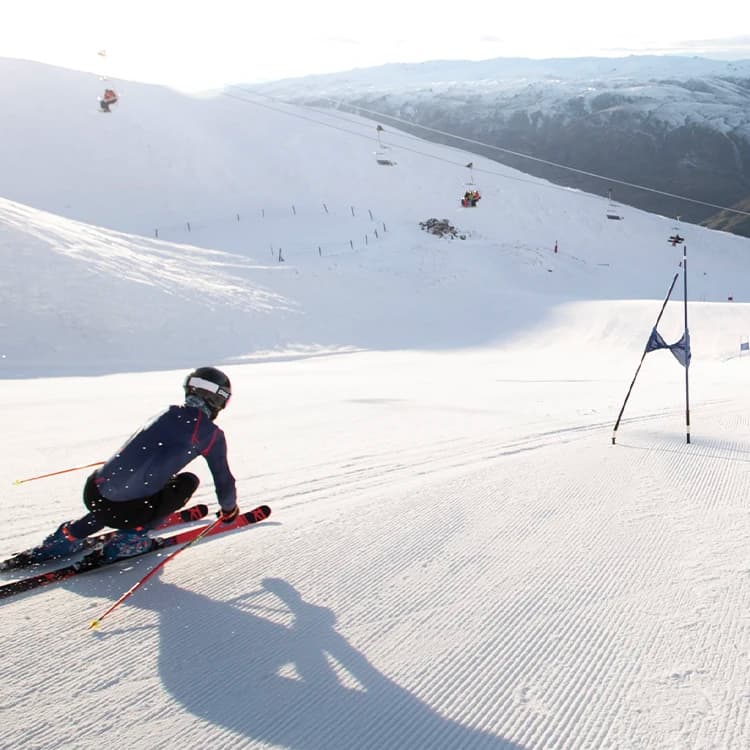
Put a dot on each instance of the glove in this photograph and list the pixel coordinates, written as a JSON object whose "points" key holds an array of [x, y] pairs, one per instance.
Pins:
{"points": [[227, 516]]}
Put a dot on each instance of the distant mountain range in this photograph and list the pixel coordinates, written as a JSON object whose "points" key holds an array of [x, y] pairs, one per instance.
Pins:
{"points": [[673, 124]]}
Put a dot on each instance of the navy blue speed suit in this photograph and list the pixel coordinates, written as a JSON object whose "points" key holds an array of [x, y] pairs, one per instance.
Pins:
{"points": [[141, 483]]}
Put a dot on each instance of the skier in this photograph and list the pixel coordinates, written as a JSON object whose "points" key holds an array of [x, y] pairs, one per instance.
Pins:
{"points": [[139, 485]]}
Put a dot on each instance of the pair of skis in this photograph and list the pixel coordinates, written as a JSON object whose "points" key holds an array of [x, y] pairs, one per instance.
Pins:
{"points": [[26, 559], [94, 559]]}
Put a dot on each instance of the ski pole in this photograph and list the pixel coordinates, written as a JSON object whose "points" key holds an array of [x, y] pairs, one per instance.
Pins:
{"points": [[95, 623], [55, 473]]}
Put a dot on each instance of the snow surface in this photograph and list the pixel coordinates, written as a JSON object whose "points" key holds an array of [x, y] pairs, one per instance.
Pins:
{"points": [[458, 557]]}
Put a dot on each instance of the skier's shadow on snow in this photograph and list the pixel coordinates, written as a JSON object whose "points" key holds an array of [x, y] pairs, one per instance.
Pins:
{"points": [[271, 667]]}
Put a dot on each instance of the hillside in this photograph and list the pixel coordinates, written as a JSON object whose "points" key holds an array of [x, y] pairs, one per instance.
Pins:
{"points": [[232, 174], [355, 264], [733, 221], [674, 124]]}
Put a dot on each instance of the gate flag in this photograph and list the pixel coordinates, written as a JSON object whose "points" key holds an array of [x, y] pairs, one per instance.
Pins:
{"points": [[680, 349]]}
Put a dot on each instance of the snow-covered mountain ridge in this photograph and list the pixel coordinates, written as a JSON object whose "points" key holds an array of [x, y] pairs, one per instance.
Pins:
{"points": [[679, 125], [513, 72]]}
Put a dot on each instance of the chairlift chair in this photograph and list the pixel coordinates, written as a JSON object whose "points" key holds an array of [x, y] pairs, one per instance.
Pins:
{"points": [[613, 210], [383, 158], [472, 195], [382, 155], [470, 167]]}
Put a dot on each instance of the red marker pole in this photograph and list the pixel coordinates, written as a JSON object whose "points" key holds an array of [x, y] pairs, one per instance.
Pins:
{"points": [[94, 624]]}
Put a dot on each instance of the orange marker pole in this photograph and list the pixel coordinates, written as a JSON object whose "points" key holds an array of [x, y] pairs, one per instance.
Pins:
{"points": [[55, 473]]}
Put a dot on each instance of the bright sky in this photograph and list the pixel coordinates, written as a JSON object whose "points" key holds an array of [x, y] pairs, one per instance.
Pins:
{"points": [[192, 44]]}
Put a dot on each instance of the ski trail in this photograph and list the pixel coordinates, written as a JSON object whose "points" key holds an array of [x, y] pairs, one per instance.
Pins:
{"points": [[580, 595]]}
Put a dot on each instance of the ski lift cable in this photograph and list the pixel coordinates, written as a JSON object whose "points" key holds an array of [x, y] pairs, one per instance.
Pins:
{"points": [[321, 113], [401, 147], [326, 113], [366, 136], [611, 180], [357, 123], [546, 161], [551, 163], [534, 158], [294, 114]]}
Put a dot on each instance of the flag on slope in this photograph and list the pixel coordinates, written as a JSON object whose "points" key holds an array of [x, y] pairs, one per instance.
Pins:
{"points": [[680, 349]]}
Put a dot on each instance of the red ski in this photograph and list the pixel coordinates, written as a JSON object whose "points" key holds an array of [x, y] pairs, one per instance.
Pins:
{"points": [[25, 559], [94, 560]]}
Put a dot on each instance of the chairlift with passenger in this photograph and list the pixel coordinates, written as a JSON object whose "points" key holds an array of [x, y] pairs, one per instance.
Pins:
{"points": [[110, 96], [107, 100], [471, 199], [676, 238], [471, 196]]}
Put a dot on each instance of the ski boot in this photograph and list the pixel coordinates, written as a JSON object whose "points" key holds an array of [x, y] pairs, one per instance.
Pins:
{"points": [[127, 543]]}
